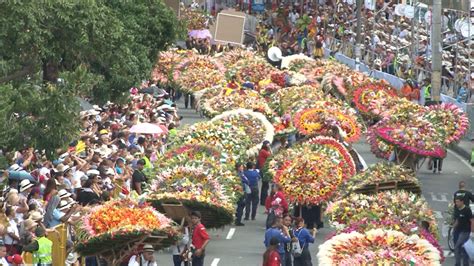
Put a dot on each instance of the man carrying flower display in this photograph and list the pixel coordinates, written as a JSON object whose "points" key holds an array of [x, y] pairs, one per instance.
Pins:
{"points": [[464, 227]]}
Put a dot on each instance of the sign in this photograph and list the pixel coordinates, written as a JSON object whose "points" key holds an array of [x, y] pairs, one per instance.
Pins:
{"points": [[230, 28]]}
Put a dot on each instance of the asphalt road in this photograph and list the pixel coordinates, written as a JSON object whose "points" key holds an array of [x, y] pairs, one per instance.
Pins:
{"points": [[243, 246]]}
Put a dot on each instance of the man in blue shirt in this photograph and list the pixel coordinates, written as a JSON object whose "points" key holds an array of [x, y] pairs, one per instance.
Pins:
{"points": [[279, 231], [253, 176]]}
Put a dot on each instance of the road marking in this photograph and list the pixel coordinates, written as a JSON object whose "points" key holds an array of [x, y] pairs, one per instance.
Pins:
{"points": [[215, 261], [438, 214], [442, 197], [231, 233], [464, 161], [456, 172]]}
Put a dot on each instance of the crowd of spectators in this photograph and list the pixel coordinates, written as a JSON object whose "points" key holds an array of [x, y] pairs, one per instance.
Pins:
{"points": [[106, 161]]}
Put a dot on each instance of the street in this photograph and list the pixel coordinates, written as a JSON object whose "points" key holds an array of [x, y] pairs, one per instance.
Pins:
{"points": [[243, 246]]}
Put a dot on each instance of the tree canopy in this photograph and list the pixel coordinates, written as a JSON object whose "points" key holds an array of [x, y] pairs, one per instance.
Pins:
{"points": [[97, 48]]}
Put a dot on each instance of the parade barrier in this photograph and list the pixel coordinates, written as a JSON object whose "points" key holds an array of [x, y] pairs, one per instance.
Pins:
{"points": [[59, 239]]}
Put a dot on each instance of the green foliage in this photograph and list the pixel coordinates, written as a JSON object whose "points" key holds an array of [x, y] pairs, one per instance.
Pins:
{"points": [[96, 48]]}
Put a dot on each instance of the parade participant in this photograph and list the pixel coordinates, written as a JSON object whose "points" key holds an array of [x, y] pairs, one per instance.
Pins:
{"points": [[463, 193], [464, 227], [271, 257], [275, 205], [263, 154], [144, 258], [252, 176], [199, 239], [287, 221], [280, 232], [243, 199], [304, 237], [181, 248]]}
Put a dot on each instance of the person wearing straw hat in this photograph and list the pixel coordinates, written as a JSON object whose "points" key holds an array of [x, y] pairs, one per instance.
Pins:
{"points": [[144, 258], [27, 231]]}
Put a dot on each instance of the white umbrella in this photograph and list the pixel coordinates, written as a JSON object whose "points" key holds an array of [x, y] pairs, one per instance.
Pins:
{"points": [[146, 128]]}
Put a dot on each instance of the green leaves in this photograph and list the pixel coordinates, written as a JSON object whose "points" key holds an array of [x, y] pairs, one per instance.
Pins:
{"points": [[97, 48]]}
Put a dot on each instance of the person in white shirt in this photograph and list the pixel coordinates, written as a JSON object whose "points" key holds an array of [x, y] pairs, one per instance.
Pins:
{"points": [[12, 236], [293, 16], [180, 247], [145, 258]]}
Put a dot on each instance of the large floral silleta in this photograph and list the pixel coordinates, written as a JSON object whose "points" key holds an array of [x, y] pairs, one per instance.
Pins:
{"points": [[316, 171], [255, 125], [403, 206], [114, 225], [211, 191], [378, 247]]}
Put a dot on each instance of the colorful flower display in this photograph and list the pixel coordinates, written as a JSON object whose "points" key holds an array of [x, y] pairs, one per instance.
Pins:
{"points": [[126, 219], [283, 99], [450, 122], [167, 61], [382, 174], [320, 121], [197, 187], [399, 205], [255, 125], [244, 99], [315, 174], [378, 247], [371, 99], [252, 70], [233, 140]]}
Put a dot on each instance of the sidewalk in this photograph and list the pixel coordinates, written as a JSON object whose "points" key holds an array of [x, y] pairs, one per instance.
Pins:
{"points": [[464, 148]]}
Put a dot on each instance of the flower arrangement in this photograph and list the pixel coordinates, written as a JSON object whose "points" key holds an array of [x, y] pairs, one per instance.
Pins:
{"points": [[233, 140], [165, 65], [243, 99], [378, 247], [253, 70], [419, 140], [233, 56], [450, 122], [382, 173], [314, 175], [197, 187], [255, 125], [379, 147], [198, 72], [319, 121], [399, 205], [282, 100], [391, 224], [106, 225], [365, 95]]}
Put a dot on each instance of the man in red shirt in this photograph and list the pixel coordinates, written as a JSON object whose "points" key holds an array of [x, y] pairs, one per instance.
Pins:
{"points": [[200, 238]]}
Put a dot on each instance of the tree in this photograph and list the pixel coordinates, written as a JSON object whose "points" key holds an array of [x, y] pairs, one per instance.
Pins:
{"points": [[98, 48]]}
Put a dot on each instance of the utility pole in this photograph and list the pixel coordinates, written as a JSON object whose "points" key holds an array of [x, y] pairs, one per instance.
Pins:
{"points": [[436, 48], [358, 54]]}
